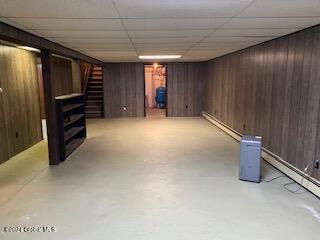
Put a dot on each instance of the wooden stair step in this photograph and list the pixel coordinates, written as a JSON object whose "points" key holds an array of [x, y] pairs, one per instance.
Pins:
{"points": [[91, 105], [96, 73], [90, 98], [97, 68], [96, 77], [94, 115], [94, 97], [94, 111], [95, 92], [94, 87], [95, 102], [94, 108], [95, 83]]}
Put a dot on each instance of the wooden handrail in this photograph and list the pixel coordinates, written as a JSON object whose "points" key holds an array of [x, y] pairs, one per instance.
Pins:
{"points": [[86, 78], [85, 73]]}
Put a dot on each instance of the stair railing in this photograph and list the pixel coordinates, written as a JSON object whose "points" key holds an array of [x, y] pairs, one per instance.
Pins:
{"points": [[85, 77]]}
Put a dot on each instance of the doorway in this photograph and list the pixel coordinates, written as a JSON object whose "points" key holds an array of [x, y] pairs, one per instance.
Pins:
{"points": [[41, 98], [155, 77]]}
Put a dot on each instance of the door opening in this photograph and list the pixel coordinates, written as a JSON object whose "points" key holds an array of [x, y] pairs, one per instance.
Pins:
{"points": [[155, 76], [41, 96]]}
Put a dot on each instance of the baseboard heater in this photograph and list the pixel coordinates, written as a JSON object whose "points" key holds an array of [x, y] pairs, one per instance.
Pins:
{"points": [[294, 173]]}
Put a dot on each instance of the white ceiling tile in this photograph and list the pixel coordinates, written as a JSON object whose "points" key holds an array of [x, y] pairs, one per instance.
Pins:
{"points": [[224, 45], [283, 8], [206, 54], [113, 53], [157, 49], [201, 52], [167, 40], [58, 9], [11, 22], [83, 34], [160, 52], [160, 27], [217, 39], [106, 48], [179, 8], [102, 45], [272, 22], [173, 24], [165, 34], [69, 24], [156, 45], [126, 49], [119, 59], [80, 41], [195, 59], [253, 32]]}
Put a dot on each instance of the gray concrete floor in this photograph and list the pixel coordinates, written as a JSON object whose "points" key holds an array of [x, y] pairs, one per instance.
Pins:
{"points": [[155, 112], [151, 179]]}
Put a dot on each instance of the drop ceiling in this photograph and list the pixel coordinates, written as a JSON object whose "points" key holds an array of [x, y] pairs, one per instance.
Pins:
{"points": [[121, 30]]}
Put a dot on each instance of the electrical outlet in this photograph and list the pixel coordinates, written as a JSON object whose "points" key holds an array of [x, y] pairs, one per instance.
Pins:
{"points": [[316, 164]]}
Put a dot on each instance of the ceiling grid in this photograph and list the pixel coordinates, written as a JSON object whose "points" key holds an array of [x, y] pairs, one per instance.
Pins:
{"points": [[121, 30]]}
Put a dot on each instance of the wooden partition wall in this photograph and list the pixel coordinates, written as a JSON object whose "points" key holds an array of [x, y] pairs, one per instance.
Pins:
{"points": [[124, 86], [185, 83], [272, 90], [62, 76], [20, 118]]}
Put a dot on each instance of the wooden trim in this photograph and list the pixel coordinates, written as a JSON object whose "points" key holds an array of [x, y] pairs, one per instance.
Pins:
{"points": [[18, 36]]}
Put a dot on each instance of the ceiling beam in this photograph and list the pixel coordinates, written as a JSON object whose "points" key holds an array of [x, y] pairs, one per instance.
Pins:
{"points": [[18, 36]]}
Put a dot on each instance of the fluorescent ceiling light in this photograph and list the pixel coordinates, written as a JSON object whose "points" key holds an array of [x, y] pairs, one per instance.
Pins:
{"points": [[159, 56], [29, 48]]}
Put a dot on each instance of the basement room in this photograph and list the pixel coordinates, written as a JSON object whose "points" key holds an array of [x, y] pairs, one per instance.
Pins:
{"points": [[160, 120]]}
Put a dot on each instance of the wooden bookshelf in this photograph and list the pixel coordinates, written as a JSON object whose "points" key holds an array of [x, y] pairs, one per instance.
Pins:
{"points": [[71, 123]]}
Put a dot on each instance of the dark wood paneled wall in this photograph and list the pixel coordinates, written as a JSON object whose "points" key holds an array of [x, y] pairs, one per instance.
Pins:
{"points": [[185, 83], [272, 90], [20, 100], [123, 86], [4, 151], [62, 76], [76, 77]]}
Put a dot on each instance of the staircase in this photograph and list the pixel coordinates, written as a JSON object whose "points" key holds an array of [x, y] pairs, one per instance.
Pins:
{"points": [[94, 93]]}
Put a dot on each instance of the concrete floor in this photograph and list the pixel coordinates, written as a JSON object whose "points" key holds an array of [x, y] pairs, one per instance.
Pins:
{"points": [[155, 112], [151, 179]]}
